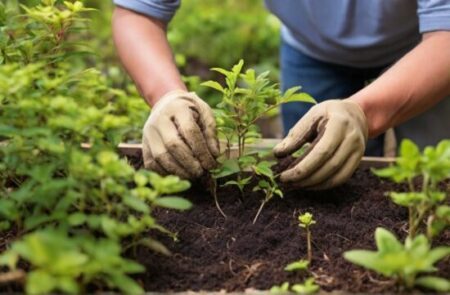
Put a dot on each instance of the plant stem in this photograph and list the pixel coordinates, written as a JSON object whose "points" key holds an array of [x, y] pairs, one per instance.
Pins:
{"points": [[308, 244], [213, 183], [259, 210]]}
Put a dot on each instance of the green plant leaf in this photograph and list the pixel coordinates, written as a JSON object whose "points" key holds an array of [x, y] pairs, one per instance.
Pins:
{"points": [[434, 283], [126, 284], [308, 287], [297, 265], [214, 85], [173, 203], [386, 241], [136, 204]]}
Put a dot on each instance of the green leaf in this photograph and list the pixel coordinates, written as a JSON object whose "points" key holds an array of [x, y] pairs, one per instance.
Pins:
{"points": [[283, 288], [40, 282], [297, 265], [386, 241], [264, 168], [214, 85], [173, 203], [77, 219], [136, 204], [434, 283], [155, 246], [126, 284], [300, 97], [228, 167], [308, 287]]}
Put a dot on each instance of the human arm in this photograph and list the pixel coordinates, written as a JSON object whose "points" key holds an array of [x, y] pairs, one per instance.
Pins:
{"points": [[415, 83], [143, 48], [411, 86], [179, 136]]}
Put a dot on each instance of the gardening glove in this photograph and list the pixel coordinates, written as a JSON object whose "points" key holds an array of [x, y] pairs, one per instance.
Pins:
{"points": [[337, 132], [179, 136]]}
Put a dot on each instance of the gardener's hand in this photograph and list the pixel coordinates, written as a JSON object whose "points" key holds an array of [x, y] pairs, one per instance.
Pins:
{"points": [[180, 136], [337, 131]]}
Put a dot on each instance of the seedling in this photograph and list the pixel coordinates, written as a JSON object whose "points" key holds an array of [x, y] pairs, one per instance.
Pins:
{"points": [[424, 201], [267, 184], [309, 286], [306, 220], [246, 98], [403, 262]]}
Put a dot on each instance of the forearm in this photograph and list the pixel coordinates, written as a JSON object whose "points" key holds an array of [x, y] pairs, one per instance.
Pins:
{"points": [[414, 84], [144, 51]]}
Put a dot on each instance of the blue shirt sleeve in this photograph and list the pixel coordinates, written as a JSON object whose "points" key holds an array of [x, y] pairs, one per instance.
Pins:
{"points": [[162, 10], [434, 15]]}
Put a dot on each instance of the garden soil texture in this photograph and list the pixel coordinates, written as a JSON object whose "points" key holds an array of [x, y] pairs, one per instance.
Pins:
{"points": [[213, 253]]}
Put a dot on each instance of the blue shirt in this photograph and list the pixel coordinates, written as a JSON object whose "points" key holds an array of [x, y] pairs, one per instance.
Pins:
{"points": [[359, 33]]}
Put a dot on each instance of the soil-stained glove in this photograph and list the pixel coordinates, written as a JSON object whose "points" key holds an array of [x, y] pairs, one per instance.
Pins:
{"points": [[337, 131], [179, 136]]}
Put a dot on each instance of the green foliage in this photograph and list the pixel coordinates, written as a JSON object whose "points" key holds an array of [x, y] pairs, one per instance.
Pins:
{"points": [[247, 97], [75, 210], [403, 262], [309, 286], [424, 202]]}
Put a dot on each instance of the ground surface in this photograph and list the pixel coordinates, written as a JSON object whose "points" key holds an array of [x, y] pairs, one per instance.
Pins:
{"points": [[214, 253]]}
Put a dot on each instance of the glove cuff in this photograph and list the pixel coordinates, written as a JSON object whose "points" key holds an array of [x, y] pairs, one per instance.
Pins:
{"points": [[361, 116]]}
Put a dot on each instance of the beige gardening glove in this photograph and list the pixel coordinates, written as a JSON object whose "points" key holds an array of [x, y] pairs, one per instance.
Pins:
{"points": [[337, 131], [180, 136]]}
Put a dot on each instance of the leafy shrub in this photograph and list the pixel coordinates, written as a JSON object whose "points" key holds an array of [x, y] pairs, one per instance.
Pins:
{"points": [[72, 208]]}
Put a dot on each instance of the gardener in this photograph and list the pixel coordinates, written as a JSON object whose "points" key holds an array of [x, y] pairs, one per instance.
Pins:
{"points": [[331, 48]]}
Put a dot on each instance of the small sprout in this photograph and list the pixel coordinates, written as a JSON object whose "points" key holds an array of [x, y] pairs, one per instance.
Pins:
{"points": [[297, 265], [305, 221], [281, 289], [309, 286]]}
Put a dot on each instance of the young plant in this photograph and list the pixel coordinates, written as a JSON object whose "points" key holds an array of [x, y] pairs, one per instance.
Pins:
{"points": [[246, 98], [403, 262], [266, 184], [309, 286], [306, 220], [425, 203]]}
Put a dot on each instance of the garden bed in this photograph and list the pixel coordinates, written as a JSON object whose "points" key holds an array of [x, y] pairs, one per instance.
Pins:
{"points": [[213, 253]]}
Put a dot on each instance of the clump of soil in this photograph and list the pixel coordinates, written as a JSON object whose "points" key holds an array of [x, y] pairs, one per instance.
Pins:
{"points": [[214, 253]]}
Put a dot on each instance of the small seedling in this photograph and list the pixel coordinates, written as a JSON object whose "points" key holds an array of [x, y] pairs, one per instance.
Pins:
{"points": [[305, 221], [403, 262], [309, 286], [267, 184], [423, 202]]}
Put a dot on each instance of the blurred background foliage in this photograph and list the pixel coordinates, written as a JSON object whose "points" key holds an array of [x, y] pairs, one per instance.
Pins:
{"points": [[203, 34]]}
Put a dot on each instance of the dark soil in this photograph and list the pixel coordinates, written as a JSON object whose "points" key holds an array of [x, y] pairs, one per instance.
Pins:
{"points": [[233, 254]]}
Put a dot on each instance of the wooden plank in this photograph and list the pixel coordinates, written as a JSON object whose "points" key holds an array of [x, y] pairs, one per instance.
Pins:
{"points": [[135, 149]]}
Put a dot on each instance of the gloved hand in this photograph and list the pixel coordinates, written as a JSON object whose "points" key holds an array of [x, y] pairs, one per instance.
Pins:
{"points": [[337, 131], [180, 136]]}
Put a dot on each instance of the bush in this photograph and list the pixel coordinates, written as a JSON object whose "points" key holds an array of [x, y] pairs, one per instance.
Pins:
{"points": [[72, 209]]}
